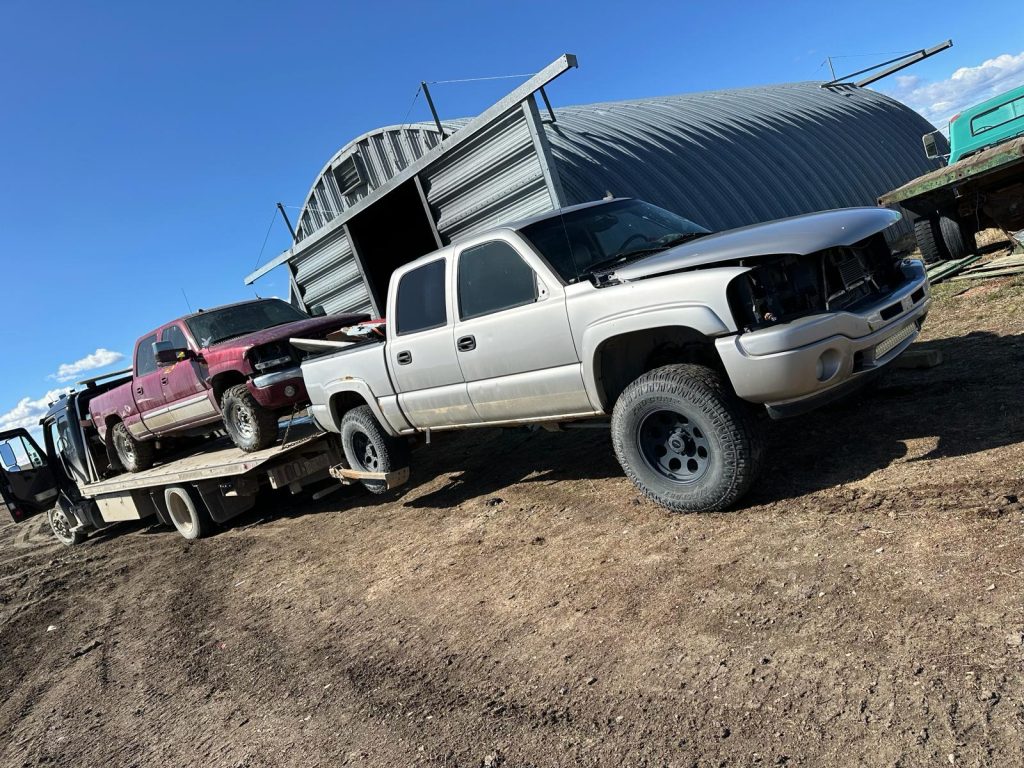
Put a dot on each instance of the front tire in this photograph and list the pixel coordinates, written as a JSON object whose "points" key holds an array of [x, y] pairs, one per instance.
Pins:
{"points": [[251, 426], [685, 440], [133, 455], [369, 448], [62, 525]]}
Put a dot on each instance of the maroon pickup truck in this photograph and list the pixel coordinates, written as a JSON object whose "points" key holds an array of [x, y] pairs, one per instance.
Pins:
{"points": [[230, 366]]}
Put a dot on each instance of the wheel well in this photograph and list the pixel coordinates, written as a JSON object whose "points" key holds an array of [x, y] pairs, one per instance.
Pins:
{"points": [[343, 402], [622, 359], [222, 382], [109, 423]]}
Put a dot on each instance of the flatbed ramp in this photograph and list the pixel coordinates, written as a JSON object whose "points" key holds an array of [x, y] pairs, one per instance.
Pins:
{"points": [[221, 459], [214, 482]]}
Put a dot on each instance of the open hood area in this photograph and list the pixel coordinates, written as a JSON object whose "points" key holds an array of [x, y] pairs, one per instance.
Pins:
{"points": [[797, 235]]}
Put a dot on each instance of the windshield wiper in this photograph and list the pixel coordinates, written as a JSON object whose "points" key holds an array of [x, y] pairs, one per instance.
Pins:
{"points": [[661, 244]]}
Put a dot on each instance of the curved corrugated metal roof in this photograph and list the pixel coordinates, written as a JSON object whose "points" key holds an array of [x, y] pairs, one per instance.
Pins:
{"points": [[728, 158], [724, 158]]}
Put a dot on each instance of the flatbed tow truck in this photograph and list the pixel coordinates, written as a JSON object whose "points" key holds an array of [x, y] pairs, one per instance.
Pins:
{"points": [[70, 480]]}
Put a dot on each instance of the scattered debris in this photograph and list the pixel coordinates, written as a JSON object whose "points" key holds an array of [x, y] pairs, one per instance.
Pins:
{"points": [[51, 628], [1015, 639], [90, 646], [1004, 266], [946, 269], [494, 501]]}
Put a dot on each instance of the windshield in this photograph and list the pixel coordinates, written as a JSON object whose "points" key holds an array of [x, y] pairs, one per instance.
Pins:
{"points": [[577, 243], [220, 324]]}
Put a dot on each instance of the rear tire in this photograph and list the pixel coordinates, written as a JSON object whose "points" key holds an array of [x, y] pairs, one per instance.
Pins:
{"points": [[133, 455], [685, 440], [369, 448], [250, 426], [940, 238], [188, 514]]}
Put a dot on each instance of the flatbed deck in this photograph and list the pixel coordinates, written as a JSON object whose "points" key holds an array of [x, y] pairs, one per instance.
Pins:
{"points": [[218, 459]]}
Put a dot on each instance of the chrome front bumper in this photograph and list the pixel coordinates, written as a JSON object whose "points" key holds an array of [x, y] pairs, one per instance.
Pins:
{"points": [[278, 377], [809, 357]]}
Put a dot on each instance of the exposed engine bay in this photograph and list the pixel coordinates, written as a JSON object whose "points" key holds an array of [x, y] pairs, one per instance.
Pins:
{"points": [[782, 288]]}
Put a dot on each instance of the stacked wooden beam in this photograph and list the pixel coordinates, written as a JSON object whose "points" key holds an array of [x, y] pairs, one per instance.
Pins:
{"points": [[1001, 267]]}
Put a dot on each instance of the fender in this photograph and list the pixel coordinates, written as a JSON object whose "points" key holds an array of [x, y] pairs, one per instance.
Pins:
{"points": [[680, 314], [325, 417]]}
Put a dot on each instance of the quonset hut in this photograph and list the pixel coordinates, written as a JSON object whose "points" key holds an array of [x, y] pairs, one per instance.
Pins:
{"points": [[721, 158]]}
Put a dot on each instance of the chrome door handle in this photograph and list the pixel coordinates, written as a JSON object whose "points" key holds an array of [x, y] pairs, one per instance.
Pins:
{"points": [[404, 358], [467, 343]]}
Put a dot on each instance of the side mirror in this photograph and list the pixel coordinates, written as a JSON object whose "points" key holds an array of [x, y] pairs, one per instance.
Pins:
{"points": [[167, 354], [932, 150], [318, 311]]}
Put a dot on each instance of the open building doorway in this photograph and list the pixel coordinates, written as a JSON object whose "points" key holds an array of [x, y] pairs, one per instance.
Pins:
{"points": [[393, 231]]}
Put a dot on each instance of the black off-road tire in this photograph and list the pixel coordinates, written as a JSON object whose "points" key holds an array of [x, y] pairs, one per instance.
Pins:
{"points": [[369, 448], [685, 439], [188, 513], [250, 426], [941, 238], [133, 455]]}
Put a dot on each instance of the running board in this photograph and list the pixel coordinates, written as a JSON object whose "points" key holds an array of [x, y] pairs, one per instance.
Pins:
{"points": [[390, 479]]}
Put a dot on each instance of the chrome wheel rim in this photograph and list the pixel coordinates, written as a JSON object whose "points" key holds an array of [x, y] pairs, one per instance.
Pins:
{"points": [[123, 445], [60, 525], [243, 422], [674, 446]]}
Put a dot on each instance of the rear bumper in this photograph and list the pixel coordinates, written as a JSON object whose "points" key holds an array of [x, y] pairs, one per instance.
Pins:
{"points": [[278, 390], [797, 366]]}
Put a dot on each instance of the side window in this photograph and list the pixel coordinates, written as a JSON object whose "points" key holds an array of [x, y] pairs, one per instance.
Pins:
{"points": [[998, 116], [18, 455], [492, 277], [176, 336], [420, 304], [145, 361]]}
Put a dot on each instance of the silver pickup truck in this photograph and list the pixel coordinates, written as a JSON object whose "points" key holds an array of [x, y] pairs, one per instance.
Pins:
{"points": [[622, 309]]}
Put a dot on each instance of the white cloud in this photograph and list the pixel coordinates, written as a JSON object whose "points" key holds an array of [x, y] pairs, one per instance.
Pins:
{"points": [[939, 101], [101, 358], [27, 413]]}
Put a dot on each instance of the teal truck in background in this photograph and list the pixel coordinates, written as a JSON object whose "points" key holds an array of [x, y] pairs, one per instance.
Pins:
{"points": [[981, 186]]}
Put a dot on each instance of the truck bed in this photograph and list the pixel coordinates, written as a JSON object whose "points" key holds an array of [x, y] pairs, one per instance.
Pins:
{"points": [[973, 167], [218, 459]]}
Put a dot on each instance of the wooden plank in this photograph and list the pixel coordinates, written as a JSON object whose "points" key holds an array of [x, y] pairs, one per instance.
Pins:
{"points": [[993, 273], [940, 272]]}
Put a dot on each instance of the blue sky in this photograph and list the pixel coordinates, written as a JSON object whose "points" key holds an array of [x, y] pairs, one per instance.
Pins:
{"points": [[143, 145]]}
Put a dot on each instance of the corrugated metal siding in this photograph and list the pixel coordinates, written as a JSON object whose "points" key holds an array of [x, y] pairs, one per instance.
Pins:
{"points": [[329, 276], [730, 158], [383, 153], [492, 178], [722, 158]]}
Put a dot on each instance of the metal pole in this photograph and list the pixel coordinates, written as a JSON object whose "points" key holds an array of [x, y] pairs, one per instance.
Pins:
{"points": [[832, 68], [551, 112], [287, 221], [433, 110]]}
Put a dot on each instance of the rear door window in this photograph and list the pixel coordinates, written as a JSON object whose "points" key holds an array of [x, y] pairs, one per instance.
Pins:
{"points": [[493, 277], [421, 303], [145, 361]]}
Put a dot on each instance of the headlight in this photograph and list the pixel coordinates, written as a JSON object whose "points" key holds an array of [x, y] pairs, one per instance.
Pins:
{"points": [[276, 362]]}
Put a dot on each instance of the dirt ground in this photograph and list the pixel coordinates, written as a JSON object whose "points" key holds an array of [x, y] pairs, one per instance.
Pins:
{"points": [[525, 608]]}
